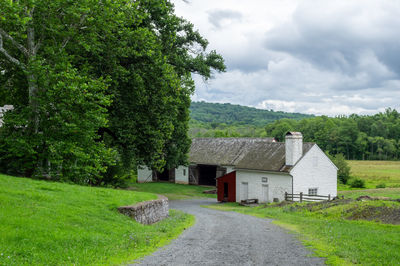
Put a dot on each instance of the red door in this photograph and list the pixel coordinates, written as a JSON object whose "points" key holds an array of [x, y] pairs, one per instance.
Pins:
{"points": [[226, 187]]}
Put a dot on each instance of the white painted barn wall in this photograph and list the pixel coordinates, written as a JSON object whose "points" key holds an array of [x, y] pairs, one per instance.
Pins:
{"points": [[182, 175], [315, 170], [278, 184], [144, 174]]}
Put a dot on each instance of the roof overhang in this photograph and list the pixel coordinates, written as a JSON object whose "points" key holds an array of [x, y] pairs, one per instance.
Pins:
{"points": [[264, 171]]}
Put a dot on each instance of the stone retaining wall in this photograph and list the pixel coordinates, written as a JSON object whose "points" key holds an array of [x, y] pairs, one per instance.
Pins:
{"points": [[147, 212]]}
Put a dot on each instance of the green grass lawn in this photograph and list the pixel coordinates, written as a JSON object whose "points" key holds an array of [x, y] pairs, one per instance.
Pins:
{"points": [[377, 172], [330, 235], [46, 223], [173, 191]]}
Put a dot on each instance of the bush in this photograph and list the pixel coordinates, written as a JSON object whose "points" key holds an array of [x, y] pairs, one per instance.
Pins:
{"points": [[381, 185], [342, 165], [357, 183]]}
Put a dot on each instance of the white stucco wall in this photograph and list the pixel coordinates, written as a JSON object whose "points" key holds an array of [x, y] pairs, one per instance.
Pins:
{"points": [[315, 170], [144, 174], [278, 184], [182, 175], [293, 148]]}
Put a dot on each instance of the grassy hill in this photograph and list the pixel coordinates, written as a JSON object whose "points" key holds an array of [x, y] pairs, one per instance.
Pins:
{"points": [[231, 114], [44, 223]]}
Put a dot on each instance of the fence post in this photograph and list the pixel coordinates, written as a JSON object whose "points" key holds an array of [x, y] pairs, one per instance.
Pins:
{"points": [[285, 196], [329, 197], [301, 196]]}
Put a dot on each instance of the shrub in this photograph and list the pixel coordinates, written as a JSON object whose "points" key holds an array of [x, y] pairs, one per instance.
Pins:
{"points": [[381, 185], [342, 165], [357, 183]]}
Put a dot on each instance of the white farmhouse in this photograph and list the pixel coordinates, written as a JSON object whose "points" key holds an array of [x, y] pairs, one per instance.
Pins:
{"points": [[254, 168]]}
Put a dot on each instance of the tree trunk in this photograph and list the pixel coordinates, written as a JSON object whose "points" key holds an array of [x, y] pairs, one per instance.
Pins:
{"points": [[33, 102], [33, 87]]}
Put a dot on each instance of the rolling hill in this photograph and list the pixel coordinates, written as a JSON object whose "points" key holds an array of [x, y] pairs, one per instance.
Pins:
{"points": [[230, 114]]}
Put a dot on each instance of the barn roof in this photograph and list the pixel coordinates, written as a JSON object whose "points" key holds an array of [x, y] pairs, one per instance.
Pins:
{"points": [[244, 153]]}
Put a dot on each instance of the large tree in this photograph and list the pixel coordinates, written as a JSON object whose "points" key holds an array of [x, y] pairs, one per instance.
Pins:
{"points": [[96, 83]]}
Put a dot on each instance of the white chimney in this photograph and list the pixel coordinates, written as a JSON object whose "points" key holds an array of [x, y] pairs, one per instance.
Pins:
{"points": [[293, 147]]}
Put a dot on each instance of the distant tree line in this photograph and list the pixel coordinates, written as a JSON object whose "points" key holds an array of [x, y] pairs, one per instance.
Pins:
{"points": [[375, 137], [358, 137]]}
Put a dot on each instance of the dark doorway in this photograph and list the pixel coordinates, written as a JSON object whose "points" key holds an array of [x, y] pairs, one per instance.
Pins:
{"points": [[226, 187], [163, 176], [207, 175]]}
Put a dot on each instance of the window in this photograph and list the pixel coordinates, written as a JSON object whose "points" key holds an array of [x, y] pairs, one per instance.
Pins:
{"points": [[184, 172], [264, 179], [313, 191]]}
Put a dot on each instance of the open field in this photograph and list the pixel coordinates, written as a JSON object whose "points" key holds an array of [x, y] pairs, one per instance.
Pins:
{"points": [[331, 232], [46, 223], [377, 172], [173, 191], [393, 193]]}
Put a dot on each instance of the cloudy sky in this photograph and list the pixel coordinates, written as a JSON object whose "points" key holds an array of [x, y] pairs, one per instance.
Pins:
{"points": [[317, 57]]}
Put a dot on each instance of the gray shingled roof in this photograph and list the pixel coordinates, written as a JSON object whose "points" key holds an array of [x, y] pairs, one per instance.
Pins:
{"points": [[244, 153]]}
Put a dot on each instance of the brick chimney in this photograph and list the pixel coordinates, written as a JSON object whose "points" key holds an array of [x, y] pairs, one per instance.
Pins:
{"points": [[293, 147]]}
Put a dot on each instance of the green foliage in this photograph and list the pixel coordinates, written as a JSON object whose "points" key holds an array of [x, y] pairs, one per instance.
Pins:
{"points": [[342, 165], [356, 137], [230, 114], [381, 185], [357, 183], [71, 108], [227, 120], [49, 223], [97, 87]]}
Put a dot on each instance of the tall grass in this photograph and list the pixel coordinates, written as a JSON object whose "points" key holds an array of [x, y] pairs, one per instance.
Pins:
{"points": [[377, 172], [393, 193]]}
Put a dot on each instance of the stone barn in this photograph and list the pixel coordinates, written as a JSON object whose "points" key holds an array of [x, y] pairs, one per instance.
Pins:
{"points": [[254, 168]]}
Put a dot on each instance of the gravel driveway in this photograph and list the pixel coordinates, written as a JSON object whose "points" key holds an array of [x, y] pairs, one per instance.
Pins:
{"points": [[230, 238]]}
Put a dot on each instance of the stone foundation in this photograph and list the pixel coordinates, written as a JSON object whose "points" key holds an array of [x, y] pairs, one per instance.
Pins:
{"points": [[147, 212]]}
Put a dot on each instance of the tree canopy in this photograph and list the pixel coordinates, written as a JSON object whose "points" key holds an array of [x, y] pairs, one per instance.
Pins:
{"points": [[375, 137], [230, 120], [97, 87]]}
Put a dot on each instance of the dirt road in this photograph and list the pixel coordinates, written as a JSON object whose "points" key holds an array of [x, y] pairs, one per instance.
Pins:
{"points": [[229, 238]]}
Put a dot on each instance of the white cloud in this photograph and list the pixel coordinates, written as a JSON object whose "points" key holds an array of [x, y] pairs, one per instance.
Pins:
{"points": [[223, 18], [321, 57]]}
